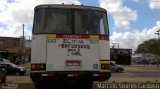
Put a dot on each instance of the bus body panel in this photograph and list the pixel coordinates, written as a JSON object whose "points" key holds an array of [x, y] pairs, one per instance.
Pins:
{"points": [[104, 50], [38, 51], [72, 51]]}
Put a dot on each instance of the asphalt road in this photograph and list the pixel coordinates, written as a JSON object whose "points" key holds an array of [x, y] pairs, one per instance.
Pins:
{"points": [[130, 74], [137, 74], [148, 74]]}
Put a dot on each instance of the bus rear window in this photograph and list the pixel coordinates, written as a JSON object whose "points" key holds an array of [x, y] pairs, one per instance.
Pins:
{"points": [[69, 21], [90, 22], [53, 21]]}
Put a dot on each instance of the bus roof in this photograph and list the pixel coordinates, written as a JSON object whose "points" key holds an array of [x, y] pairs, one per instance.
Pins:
{"points": [[70, 7]]}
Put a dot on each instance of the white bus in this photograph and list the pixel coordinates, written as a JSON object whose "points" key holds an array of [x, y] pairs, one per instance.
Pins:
{"points": [[70, 43]]}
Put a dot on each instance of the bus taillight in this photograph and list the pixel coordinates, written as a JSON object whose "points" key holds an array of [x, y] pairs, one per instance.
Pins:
{"points": [[38, 66]]}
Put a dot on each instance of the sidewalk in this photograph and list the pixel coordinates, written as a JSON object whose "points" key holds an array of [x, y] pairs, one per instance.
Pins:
{"points": [[142, 67], [133, 79]]}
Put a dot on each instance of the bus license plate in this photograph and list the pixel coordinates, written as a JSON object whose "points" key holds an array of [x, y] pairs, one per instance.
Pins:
{"points": [[73, 63]]}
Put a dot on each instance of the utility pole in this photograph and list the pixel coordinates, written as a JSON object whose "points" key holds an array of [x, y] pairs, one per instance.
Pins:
{"points": [[158, 33], [23, 36], [22, 46], [113, 45], [118, 45]]}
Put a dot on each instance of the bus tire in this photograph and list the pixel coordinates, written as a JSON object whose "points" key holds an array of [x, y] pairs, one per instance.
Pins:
{"points": [[86, 85], [40, 85]]}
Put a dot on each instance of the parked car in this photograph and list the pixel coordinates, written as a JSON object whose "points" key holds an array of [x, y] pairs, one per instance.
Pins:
{"points": [[2, 75], [3, 61], [13, 69], [153, 62], [143, 62], [116, 68]]}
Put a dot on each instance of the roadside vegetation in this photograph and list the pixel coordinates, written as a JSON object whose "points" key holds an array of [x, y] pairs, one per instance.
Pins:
{"points": [[150, 46]]}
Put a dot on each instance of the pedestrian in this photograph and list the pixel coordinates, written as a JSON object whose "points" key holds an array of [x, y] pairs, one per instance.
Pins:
{"points": [[17, 61]]}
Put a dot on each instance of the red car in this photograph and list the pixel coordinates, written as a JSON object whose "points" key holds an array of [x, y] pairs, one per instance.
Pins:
{"points": [[155, 62]]}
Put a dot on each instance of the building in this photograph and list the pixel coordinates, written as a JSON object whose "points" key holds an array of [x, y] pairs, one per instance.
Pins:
{"points": [[11, 48], [121, 56]]}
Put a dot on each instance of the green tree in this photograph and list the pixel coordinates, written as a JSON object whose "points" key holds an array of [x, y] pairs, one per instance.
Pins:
{"points": [[150, 46]]}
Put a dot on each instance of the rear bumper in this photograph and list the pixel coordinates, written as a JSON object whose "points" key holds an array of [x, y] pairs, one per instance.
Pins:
{"points": [[70, 75]]}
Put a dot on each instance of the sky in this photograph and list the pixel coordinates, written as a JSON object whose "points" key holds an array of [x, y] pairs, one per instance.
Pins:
{"points": [[130, 21]]}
